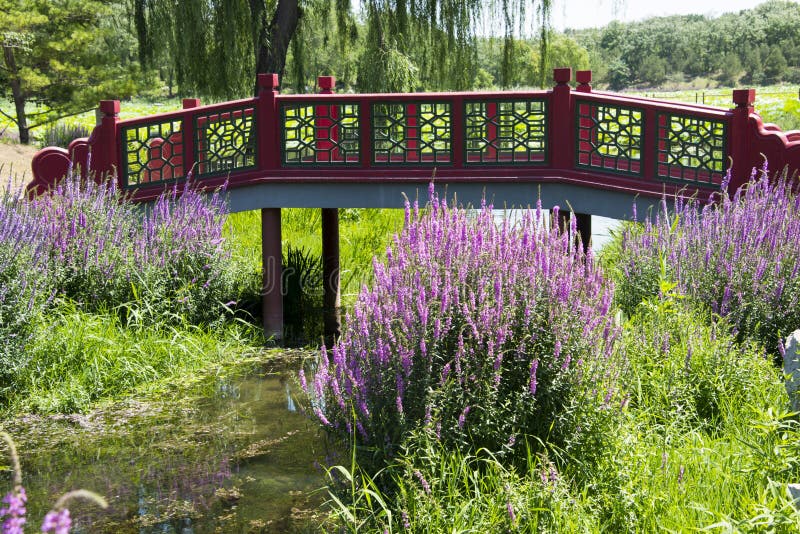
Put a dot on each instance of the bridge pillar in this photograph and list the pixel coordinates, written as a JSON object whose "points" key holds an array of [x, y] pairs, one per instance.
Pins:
{"points": [[271, 274], [583, 224], [331, 296]]}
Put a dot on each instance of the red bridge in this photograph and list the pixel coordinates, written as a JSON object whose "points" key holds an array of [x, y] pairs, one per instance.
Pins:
{"points": [[597, 152]]}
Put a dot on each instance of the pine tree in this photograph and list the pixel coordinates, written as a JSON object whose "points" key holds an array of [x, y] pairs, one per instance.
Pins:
{"points": [[55, 54]]}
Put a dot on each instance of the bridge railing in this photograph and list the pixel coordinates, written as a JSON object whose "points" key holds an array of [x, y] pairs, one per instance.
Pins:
{"points": [[649, 140], [601, 139], [379, 131], [208, 141]]}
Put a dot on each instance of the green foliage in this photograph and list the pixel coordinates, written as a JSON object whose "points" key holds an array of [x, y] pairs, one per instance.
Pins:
{"points": [[760, 43], [699, 443], [62, 134], [57, 53], [76, 358], [302, 295]]}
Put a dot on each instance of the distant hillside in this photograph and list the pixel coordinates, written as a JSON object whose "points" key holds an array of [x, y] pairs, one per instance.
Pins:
{"points": [[754, 46]]}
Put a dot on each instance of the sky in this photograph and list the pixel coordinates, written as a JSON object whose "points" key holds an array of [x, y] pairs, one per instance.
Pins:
{"points": [[595, 13]]}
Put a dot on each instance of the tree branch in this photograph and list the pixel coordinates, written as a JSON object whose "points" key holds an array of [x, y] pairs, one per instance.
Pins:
{"points": [[9, 117], [31, 127]]}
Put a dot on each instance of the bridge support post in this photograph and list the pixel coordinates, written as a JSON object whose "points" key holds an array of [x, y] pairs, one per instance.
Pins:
{"points": [[331, 298], [583, 223], [271, 274]]}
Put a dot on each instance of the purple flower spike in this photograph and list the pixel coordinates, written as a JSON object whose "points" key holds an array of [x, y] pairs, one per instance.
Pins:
{"points": [[57, 522], [15, 511]]}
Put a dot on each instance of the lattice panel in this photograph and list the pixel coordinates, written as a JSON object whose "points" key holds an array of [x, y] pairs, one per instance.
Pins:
{"points": [[320, 134], [511, 131], [691, 148], [609, 137], [152, 152], [225, 141], [412, 133]]}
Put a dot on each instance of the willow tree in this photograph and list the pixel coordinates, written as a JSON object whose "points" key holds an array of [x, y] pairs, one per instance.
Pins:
{"points": [[217, 46], [431, 44]]}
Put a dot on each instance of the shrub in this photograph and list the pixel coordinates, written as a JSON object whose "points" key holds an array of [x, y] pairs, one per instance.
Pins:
{"points": [[101, 251], [21, 286], [739, 255], [483, 333]]}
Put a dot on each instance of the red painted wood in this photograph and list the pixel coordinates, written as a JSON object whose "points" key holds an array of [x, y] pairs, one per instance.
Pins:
{"points": [[561, 141], [188, 156], [584, 79], [268, 117], [106, 150], [457, 131], [365, 132], [325, 133]]}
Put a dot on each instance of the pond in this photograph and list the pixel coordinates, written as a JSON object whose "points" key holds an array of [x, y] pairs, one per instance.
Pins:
{"points": [[232, 453]]}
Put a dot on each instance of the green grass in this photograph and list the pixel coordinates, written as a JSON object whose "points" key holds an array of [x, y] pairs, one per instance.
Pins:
{"points": [[778, 104], [364, 233], [76, 359]]}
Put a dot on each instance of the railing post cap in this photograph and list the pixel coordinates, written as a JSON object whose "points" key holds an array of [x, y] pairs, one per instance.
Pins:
{"points": [[562, 75], [583, 76], [189, 103], [744, 97], [109, 107], [268, 81], [326, 83]]}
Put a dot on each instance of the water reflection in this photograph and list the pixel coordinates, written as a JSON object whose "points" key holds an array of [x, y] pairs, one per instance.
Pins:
{"points": [[232, 455]]}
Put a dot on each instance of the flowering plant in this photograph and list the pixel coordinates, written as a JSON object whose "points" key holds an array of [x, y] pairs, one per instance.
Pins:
{"points": [[481, 332]]}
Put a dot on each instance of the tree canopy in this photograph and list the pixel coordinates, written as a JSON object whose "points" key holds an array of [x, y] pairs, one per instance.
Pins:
{"points": [[403, 44], [64, 55]]}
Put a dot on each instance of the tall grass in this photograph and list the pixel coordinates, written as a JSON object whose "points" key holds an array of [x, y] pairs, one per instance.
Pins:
{"points": [[77, 358], [702, 441], [99, 296], [698, 436], [364, 233]]}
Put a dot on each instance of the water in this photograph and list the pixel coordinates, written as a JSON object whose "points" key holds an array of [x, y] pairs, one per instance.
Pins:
{"points": [[227, 455]]}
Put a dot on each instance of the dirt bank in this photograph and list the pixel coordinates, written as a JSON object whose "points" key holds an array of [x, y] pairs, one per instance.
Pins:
{"points": [[15, 162]]}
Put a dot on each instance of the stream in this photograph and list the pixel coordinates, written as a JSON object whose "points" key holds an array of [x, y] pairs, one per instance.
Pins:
{"points": [[232, 453]]}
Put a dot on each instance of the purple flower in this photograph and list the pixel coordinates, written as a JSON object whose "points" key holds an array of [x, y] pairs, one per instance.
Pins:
{"points": [[424, 483], [15, 499], [463, 417], [511, 515], [461, 306], [57, 521]]}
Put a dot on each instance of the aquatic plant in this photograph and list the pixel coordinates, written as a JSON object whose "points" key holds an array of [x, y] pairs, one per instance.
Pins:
{"points": [[57, 520], [485, 333], [739, 255]]}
